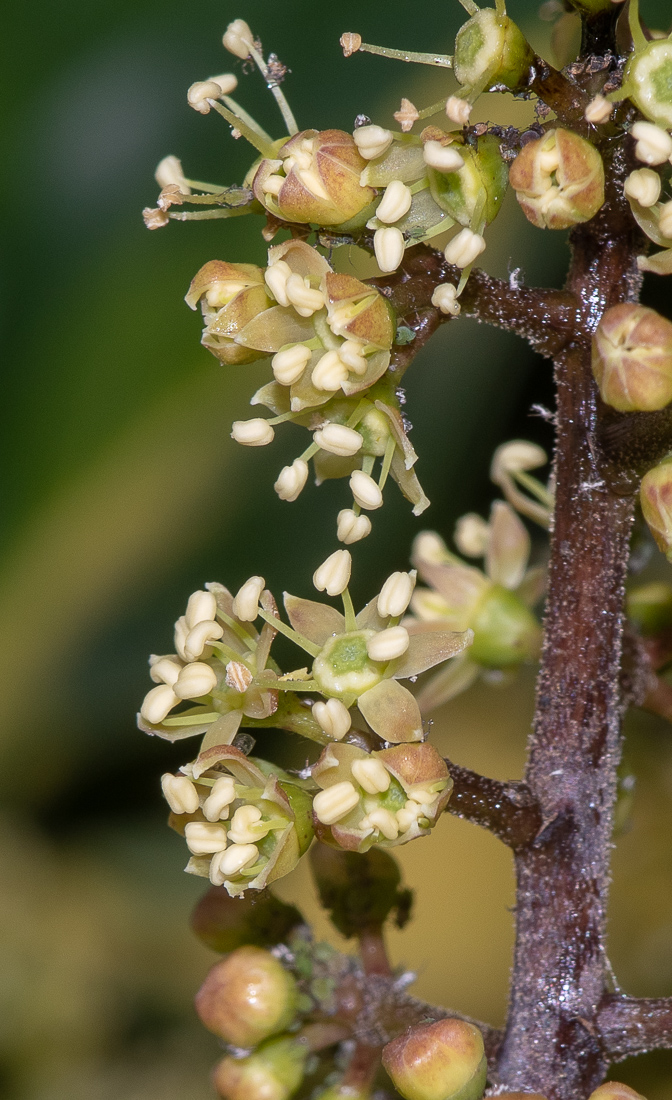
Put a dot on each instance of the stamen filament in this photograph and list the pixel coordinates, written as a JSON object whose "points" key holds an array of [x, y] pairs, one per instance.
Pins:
{"points": [[427, 112], [387, 462], [277, 93], [207, 215], [238, 629], [243, 115], [442, 60], [293, 635], [350, 618], [264, 147], [535, 487]]}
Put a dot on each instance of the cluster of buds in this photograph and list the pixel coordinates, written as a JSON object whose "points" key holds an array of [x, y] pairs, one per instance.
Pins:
{"points": [[330, 337], [558, 180], [632, 358], [246, 822], [495, 603]]}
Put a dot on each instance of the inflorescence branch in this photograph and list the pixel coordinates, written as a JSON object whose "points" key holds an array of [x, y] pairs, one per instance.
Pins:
{"points": [[632, 1025], [508, 810]]}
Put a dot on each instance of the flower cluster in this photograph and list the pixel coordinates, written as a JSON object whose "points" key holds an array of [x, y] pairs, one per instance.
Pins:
{"points": [[247, 822], [330, 337]]}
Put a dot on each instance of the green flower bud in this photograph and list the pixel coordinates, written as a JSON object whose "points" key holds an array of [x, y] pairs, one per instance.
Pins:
{"points": [[632, 358], [273, 1072], [247, 997], [558, 179], [505, 631], [489, 50], [359, 890], [650, 607], [647, 81], [224, 923], [231, 295], [655, 496], [440, 1061], [315, 178], [475, 192], [343, 1092], [612, 1090]]}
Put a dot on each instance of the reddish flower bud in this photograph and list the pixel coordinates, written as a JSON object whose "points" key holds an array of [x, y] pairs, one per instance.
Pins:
{"points": [[632, 358], [612, 1090], [656, 499], [559, 180], [224, 923], [315, 178], [440, 1061], [247, 997]]}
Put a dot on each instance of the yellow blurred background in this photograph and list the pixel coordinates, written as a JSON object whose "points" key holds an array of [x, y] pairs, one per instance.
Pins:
{"points": [[122, 492]]}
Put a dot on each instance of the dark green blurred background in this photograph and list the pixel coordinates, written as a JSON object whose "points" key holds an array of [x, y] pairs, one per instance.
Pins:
{"points": [[122, 492]]}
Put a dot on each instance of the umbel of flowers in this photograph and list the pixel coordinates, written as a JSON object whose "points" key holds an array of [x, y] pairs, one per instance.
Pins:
{"points": [[329, 338], [245, 821]]}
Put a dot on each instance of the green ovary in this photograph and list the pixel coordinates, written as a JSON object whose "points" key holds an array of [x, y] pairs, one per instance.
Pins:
{"points": [[343, 666], [505, 631], [661, 81]]}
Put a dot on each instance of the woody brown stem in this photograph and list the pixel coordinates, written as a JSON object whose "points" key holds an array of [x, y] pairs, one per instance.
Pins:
{"points": [[509, 810], [560, 973], [632, 1025]]}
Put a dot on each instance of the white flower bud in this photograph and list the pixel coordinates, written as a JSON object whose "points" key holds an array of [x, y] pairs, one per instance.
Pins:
{"points": [[472, 535], [458, 110], [158, 703], [388, 644], [384, 821], [238, 38], [330, 372], [665, 220], [197, 639], [252, 433], [395, 202], [445, 299], [643, 186], [372, 141], [372, 776], [236, 858], [351, 527], [242, 830], [333, 717], [164, 670], [388, 245], [180, 636], [180, 793], [334, 573], [246, 601], [334, 803], [395, 595], [276, 278], [169, 171], [338, 440], [350, 353], [365, 490], [599, 110], [195, 680], [289, 365], [201, 605], [654, 145], [464, 248], [429, 547], [516, 455], [305, 300], [199, 94], [223, 793], [291, 480], [204, 838], [227, 82], [445, 158]]}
